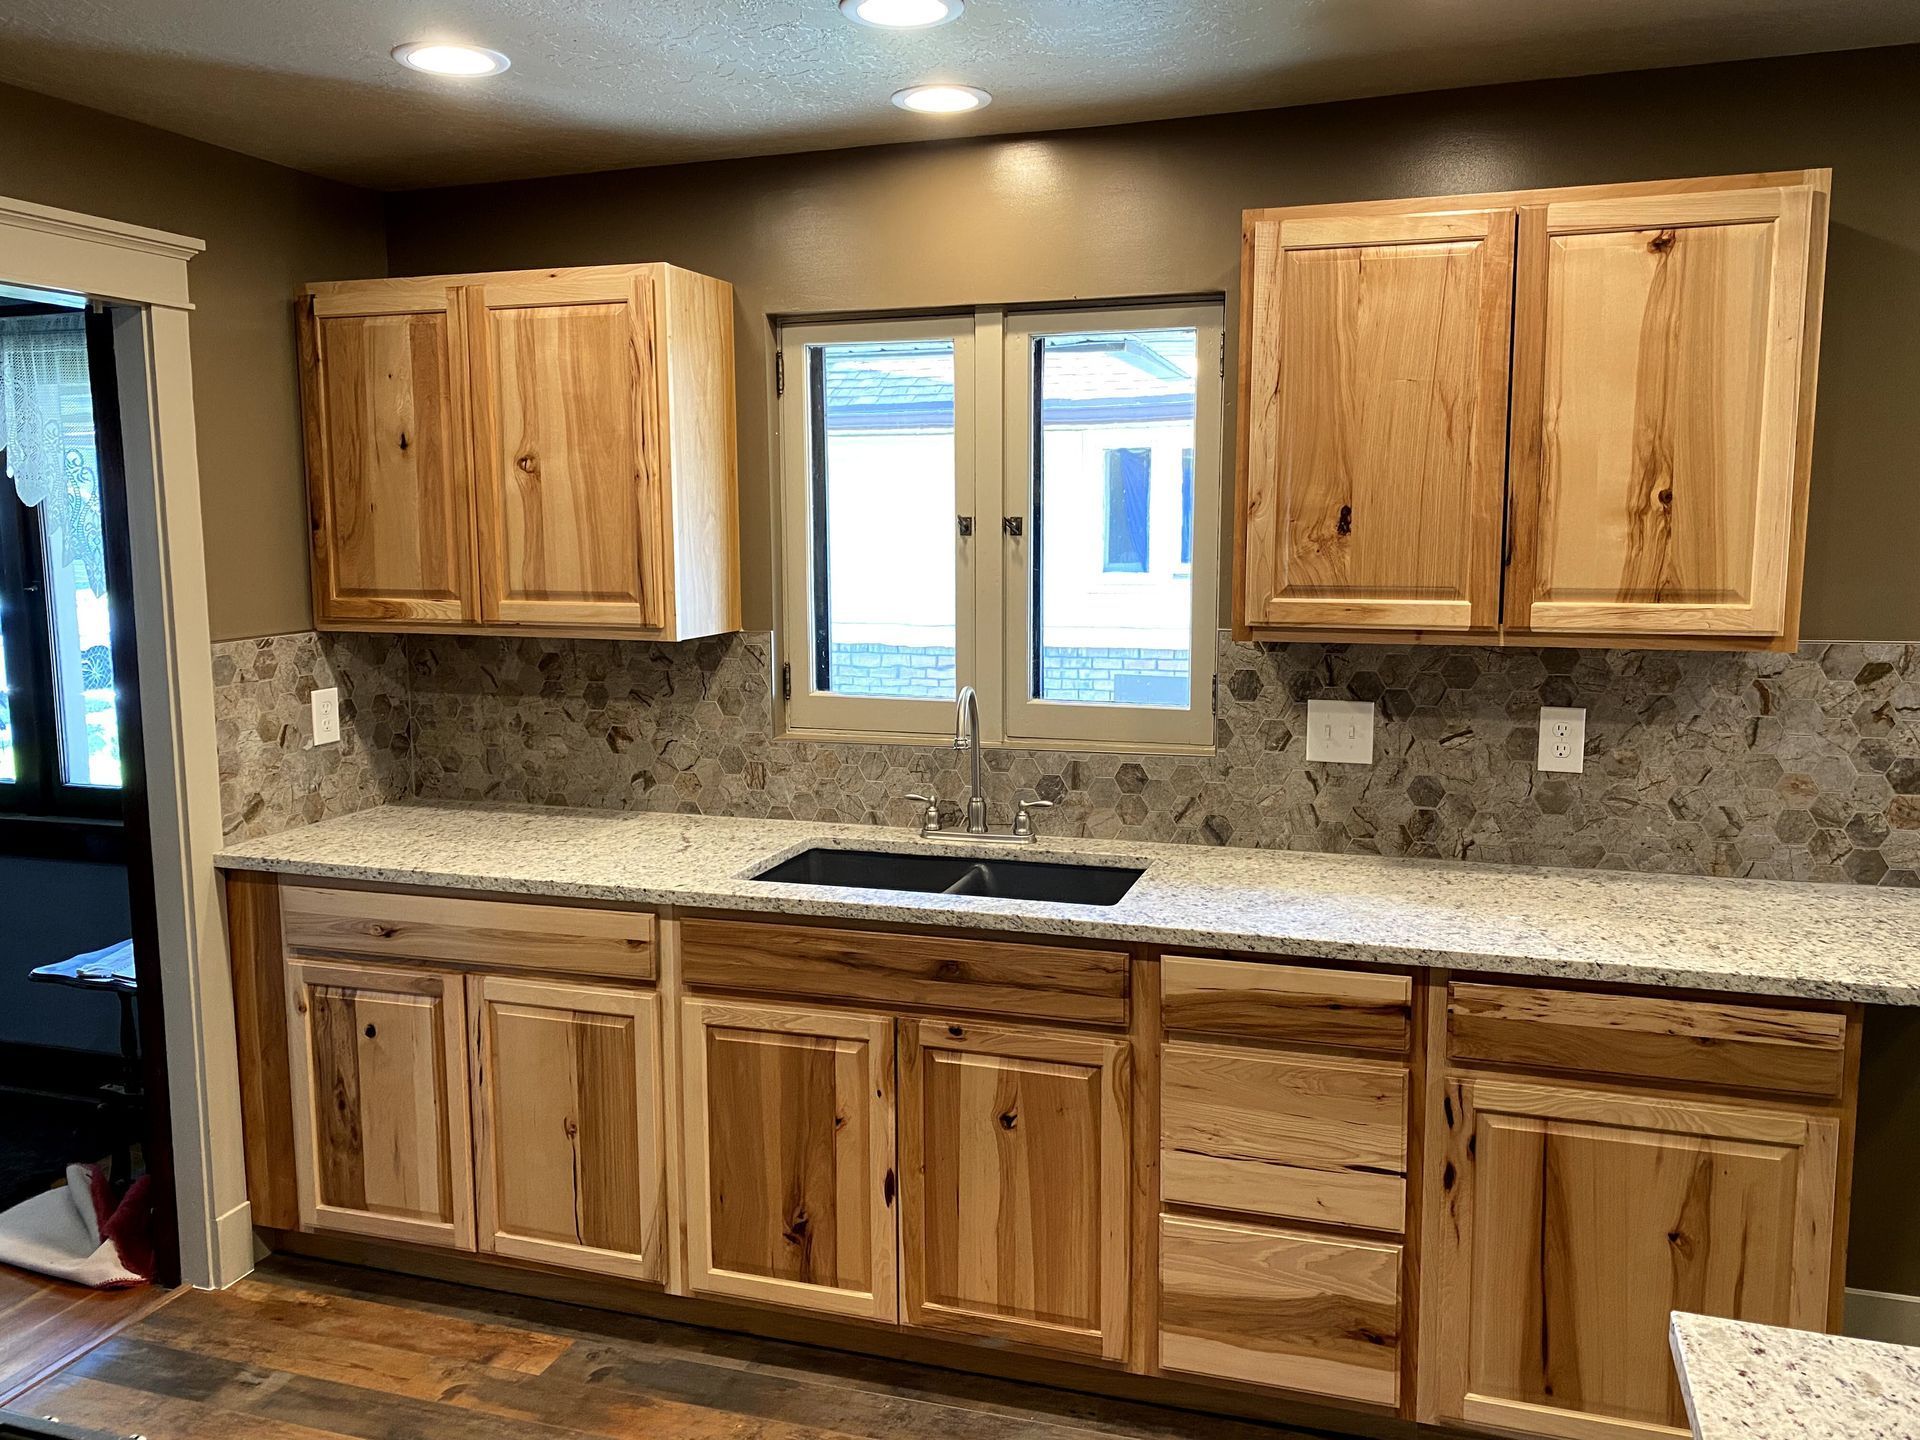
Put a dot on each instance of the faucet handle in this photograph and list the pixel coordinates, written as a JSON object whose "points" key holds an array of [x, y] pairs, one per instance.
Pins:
{"points": [[1023, 819], [929, 817]]}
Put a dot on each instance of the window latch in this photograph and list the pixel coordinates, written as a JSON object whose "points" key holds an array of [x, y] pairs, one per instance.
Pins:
{"points": [[1014, 525], [966, 527]]}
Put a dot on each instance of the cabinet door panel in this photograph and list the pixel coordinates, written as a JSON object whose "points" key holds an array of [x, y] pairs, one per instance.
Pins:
{"points": [[569, 454], [789, 1156], [1575, 1221], [1014, 1148], [1657, 395], [567, 1113], [386, 439], [378, 1069], [1373, 460]]}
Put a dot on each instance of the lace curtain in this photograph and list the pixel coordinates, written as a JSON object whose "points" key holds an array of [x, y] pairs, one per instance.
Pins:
{"points": [[40, 357]]}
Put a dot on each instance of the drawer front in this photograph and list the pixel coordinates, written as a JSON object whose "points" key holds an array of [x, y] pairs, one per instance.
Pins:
{"points": [[1298, 1137], [497, 934], [1272, 1307], [1305, 1004], [1004, 977], [1753, 1047]]}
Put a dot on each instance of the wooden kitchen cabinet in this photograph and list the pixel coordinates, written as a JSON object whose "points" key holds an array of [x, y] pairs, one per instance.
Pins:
{"points": [[789, 1132], [1657, 343], [1014, 1161], [1567, 1223], [1376, 402], [544, 451], [382, 368], [569, 1143], [378, 1080]]}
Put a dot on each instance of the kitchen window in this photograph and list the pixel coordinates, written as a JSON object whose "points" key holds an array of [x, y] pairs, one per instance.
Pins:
{"points": [[59, 735], [1026, 502]]}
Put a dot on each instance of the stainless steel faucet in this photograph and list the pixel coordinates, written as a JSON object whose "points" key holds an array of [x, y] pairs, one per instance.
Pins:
{"points": [[966, 736]]}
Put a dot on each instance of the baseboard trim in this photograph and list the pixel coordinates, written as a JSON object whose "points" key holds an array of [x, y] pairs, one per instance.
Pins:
{"points": [[1883, 1315]]}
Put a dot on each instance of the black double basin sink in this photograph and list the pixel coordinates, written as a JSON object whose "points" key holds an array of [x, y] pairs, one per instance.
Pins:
{"points": [[957, 875]]}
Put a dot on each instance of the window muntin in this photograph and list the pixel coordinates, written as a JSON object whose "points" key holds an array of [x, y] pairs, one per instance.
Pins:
{"points": [[9, 768], [1088, 423]]}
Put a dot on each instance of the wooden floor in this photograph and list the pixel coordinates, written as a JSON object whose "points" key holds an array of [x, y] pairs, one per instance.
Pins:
{"points": [[303, 1351], [44, 1324]]}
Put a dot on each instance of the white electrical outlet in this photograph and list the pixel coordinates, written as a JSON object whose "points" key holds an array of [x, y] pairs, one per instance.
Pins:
{"points": [[1340, 731], [1563, 739], [326, 716]]}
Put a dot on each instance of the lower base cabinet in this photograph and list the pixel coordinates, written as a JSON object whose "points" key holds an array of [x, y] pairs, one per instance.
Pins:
{"points": [[1014, 1147], [1314, 1313], [1572, 1221], [570, 1162]]}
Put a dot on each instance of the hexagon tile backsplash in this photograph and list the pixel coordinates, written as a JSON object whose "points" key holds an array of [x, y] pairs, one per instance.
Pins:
{"points": [[1801, 766]]}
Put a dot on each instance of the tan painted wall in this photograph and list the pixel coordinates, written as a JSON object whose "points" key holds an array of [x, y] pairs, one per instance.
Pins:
{"points": [[267, 229], [1154, 209]]}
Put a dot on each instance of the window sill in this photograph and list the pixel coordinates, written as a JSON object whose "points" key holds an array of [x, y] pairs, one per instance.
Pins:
{"points": [[944, 741], [62, 837]]}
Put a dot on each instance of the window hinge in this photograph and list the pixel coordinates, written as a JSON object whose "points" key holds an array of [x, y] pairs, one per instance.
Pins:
{"points": [[1216, 695], [1223, 357], [786, 681], [779, 372]]}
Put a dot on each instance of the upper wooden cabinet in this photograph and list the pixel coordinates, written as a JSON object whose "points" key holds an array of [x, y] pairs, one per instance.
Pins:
{"points": [[548, 451], [1644, 481]]}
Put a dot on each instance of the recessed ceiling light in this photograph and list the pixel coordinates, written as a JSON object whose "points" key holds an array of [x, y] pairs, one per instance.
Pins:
{"points": [[902, 14], [436, 58], [941, 99]]}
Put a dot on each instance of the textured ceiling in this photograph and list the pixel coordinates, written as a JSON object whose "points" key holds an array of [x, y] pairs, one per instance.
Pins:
{"points": [[595, 85]]}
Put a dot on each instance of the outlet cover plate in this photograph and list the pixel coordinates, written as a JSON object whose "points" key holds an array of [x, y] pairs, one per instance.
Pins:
{"points": [[1340, 731], [326, 716], [1563, 739]]}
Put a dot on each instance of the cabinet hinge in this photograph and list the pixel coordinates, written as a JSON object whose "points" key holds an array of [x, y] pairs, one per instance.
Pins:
{"points": [[786, 681], [779, 372]]}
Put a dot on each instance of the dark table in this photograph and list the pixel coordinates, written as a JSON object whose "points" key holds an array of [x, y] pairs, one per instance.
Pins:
{"points": [[110, 970]]}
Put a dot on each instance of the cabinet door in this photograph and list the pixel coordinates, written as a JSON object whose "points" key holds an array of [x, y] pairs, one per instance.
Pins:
{"points": [[566, 1098], [378, 1063], [1014, 1151], [569, 459], [1376, 413], [1568, 1223], [383, 381], [789, 1156], [1658, 351]]}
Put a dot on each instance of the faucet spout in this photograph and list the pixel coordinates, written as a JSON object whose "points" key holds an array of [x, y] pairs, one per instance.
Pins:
{"points": [[966, 736]]}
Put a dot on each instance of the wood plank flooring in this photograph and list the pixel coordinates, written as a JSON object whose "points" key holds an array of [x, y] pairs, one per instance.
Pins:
{"points": [[303, 1350], [44, 1323]]}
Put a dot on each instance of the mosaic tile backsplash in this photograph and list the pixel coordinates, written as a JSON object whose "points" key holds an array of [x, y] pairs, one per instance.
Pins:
{"points": [[1802, 766]]}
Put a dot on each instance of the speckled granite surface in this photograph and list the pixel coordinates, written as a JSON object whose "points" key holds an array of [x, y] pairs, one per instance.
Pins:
{"points": [[1760, 1382], [1754, 937]]}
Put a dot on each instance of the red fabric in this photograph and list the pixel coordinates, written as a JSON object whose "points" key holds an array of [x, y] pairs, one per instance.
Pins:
{"points": [[130, 1227]]}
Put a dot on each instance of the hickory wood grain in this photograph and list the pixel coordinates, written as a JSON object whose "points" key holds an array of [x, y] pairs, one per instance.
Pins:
{"points": [[1058, 982], [494, 934], [1306, 1004], [1373, 450], [1571, 1222], [1753, 1047], [382, 1139], [789, 1139], [569, 1151], [260, 1014], [1277, 1308], [1014, 1153], [1296, 1137]]}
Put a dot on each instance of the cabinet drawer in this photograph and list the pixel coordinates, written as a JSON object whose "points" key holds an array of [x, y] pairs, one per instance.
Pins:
{"points": [[1307, 1004], [1271, 1307], [1008, 978], [499, 934], [1299, 1137], [1753, 1047]]}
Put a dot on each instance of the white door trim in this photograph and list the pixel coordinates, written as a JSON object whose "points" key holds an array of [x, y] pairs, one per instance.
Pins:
{"points": [[134, 266]]}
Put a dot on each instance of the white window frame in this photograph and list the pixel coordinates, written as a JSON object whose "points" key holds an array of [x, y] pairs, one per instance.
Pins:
{"points": [[993, 381]]}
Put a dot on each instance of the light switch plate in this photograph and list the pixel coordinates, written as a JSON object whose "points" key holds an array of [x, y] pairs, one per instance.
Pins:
{"points": [[1340, 731], [326, 716], [1563, 739]]}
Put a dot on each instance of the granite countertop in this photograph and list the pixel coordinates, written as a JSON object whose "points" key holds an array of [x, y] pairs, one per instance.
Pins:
{"points": [[1754, 1382], [1831, 942]]}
